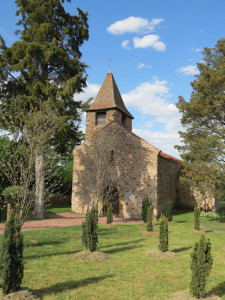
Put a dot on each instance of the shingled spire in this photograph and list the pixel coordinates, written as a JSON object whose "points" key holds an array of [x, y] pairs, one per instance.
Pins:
{"points": [[107, 107], [109, 97]]}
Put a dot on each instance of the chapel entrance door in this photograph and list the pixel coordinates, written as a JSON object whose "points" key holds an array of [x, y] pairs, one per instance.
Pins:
{"points": [[111, 195]]}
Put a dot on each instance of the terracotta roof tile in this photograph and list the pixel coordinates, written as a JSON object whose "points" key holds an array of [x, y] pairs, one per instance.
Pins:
{"points": [[170, 157]]}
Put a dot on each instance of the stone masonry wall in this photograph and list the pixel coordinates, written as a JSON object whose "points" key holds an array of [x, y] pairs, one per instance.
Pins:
{"points": [[189, 198], [168, 181], [133, 170], [111, 115]]}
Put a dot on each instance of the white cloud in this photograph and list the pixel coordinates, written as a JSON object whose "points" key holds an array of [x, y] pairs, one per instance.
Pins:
{"points": [[165, 141], [125, 44], [188, 70], [90, 91], [141, 66], [133, 24], [150, 40], [151, 98]]}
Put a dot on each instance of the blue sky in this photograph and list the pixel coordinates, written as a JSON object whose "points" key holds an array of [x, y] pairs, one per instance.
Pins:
{"points": [[154, 45]]}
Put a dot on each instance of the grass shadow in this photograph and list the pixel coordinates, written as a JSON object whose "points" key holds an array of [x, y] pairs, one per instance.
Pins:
{"points": [[69, 285], [181, 221], [218, 290], [180, 249], [49, 254], [124, 243], [121, 249], [34, 243]]}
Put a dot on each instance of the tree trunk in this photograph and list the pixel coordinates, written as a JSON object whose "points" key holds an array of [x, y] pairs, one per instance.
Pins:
{"points": [[39, 186]]}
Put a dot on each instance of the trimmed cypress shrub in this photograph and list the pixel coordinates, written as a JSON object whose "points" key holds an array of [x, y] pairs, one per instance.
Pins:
{"points": [[163, 234], [90, 228], [169, 211], [145, 205], [109, 214], [149, 219], [197, 218], [200, 266], [11, 256]]}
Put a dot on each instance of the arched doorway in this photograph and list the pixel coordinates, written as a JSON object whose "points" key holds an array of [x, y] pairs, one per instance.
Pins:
{"points": [[111, 195]]}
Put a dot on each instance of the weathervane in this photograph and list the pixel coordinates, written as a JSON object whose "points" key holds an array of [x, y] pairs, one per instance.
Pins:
{"points": [[109, 61]]}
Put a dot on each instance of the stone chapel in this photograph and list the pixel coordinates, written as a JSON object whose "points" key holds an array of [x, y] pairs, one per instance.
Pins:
{"points": [[115, 165]]}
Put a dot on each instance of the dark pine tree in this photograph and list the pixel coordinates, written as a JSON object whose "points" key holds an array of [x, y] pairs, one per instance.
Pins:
{"points": [[46, 59]]}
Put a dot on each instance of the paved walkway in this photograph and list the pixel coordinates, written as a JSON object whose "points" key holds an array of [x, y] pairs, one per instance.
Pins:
{"points": [[66, 219]]}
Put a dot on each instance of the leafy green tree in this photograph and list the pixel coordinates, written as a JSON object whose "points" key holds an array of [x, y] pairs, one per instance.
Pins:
{"points": [[46, 61], [163, 234], [149, 219], [11, 256], [203, 149], [197, 218], [145, 205], [200, 266], [109, 214]]}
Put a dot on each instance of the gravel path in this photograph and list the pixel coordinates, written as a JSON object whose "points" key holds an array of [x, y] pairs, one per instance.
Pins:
{"points": [[66, 219]]}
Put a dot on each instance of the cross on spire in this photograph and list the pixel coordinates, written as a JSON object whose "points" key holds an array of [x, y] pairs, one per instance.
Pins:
{"points": [[109, 61]]}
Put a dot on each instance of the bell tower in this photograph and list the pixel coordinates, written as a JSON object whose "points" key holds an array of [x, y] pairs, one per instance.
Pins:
{"points": [[107, 107]]}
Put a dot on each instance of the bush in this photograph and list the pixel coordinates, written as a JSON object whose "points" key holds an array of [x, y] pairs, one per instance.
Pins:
{"points": [[149, 219], [197, 218], [11, 256], [200, 266], [109, 214], [145, 205], [169, 211], [163, 234], [90, 228]]}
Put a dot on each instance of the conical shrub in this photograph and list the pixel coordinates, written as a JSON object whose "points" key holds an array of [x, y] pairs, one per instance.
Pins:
{"points": [[197, 218], [149, 219], [163, 234], [169, 210], [90, 229], [11, 256], [145, 205], [200, 266], [109, 215]]}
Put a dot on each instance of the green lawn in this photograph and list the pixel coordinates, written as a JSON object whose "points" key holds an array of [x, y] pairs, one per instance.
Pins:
{"points": [[49, 210], [52, 271]]}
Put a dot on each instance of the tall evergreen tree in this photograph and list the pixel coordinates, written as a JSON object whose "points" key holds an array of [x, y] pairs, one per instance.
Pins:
{"points": [[46, 61], [203, 118]]}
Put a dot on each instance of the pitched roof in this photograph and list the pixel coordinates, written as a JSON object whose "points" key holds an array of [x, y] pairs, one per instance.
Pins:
{"points": [[109, 97], [170, 157]]}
